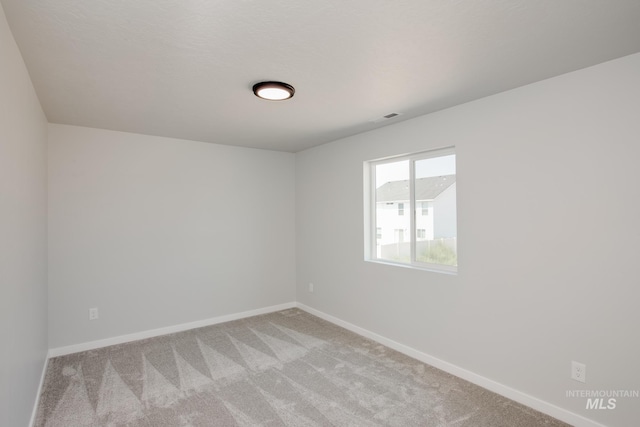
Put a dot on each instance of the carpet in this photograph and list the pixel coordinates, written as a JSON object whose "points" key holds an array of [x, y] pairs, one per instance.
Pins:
{"points": [[287, 368]]}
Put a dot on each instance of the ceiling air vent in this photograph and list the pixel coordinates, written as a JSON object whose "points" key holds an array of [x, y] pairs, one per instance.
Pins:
{"points": [[385, 117]]}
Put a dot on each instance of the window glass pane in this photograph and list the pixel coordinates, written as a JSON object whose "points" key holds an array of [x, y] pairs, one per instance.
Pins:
{"points": [[392, 201], [412, 217], [435, 190]]}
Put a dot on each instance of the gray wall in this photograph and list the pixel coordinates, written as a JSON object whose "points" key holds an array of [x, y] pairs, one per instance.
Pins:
{"points": [[157, 232], [23, 210], [548, 228]]}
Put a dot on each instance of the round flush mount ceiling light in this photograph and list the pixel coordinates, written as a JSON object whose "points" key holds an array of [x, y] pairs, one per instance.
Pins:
{"points": [[273, 91]]}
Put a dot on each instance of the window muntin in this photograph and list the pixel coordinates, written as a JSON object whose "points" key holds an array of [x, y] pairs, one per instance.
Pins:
{"points": [[423, 185]]}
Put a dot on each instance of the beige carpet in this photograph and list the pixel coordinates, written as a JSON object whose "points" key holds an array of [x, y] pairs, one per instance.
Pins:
{"points": [[282, 369]]}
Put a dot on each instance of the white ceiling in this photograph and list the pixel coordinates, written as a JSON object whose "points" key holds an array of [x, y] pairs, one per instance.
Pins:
{"points": [[185, 69]]}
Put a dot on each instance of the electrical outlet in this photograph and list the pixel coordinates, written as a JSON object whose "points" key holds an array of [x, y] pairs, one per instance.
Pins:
{"points": [[579, 371], [311, 287], [93, 313]]}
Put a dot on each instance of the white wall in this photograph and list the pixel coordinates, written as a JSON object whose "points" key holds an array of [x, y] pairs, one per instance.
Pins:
{"points": [[549, 233], [157, 232], [444, 214], [23, 210]]}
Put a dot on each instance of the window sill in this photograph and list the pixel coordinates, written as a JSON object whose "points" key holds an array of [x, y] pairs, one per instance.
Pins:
{"points": [[451, 271]]}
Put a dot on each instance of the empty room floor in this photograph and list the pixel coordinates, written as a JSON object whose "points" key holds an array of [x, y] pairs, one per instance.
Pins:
{"points": [[287, 368]]}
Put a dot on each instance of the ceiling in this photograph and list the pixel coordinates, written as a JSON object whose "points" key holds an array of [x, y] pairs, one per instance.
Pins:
{"points": [[185, 69]]}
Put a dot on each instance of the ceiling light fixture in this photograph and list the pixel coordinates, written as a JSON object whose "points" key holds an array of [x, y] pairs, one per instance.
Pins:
{"points": [[273, 91]]}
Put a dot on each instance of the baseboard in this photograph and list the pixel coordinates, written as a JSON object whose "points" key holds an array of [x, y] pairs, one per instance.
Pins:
{"points": [[496, 387], [76, 348], [34, 412]]}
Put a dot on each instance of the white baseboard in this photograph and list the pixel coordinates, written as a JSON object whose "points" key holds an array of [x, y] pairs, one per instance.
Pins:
{"points": [[61, 351], [496, 387], [34, 412]]}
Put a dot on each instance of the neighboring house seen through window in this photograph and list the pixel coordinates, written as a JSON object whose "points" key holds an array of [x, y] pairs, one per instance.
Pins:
{"points": [[423, 185]]}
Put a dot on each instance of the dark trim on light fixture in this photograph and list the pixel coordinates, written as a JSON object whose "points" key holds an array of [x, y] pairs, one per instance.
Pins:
{"points": [[273, 91]]}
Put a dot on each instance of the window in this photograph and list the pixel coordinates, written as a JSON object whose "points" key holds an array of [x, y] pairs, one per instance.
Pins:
{"points": [[425, 208], [424, 186]]}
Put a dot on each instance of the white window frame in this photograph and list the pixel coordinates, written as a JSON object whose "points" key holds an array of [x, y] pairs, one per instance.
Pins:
{"points": [[370, 209]]}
